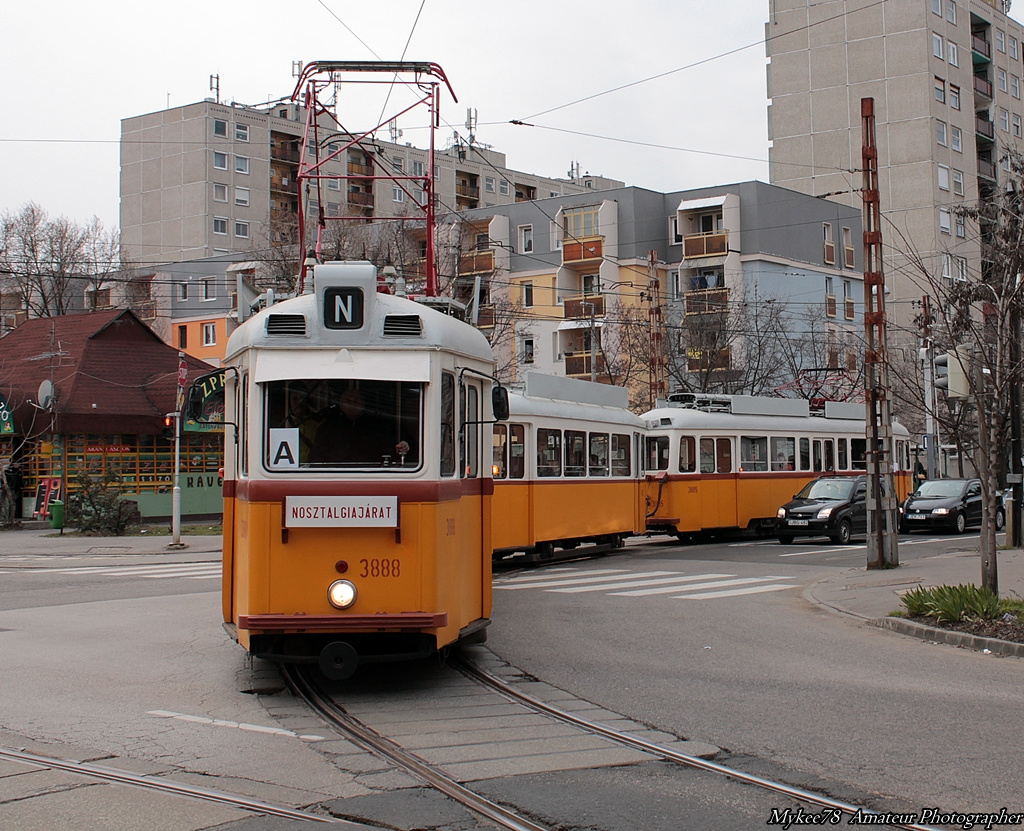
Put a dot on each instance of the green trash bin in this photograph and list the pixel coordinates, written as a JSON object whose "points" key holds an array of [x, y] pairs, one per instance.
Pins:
{"points": [[57, 514]]}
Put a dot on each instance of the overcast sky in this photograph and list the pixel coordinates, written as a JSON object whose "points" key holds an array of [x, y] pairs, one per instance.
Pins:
{"points": [[70, 71]]}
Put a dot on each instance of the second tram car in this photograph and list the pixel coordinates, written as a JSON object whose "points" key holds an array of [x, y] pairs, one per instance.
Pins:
{"points": [[566, 470], [357, 489], [726, 463]]}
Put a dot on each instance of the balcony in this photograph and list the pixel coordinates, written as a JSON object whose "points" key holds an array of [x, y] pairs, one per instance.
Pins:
{"points": [[284, 154], [356, 197], [986, 169], [981, 49], [585, 250], [583, 306], [577, 365], [356, 169], [485, 320], [476, 262], [984, 128], [467, 191], [983, 87], [703, 360], [283, 186], [707, 301], [714, 244]]}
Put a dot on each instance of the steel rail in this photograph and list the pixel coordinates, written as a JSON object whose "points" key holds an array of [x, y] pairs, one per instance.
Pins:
{"points": [[150, 782], [370, 740], [501, 687]]}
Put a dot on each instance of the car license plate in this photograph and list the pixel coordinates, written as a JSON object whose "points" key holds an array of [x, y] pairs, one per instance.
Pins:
{"points": [[798, 522], [916, 516]]}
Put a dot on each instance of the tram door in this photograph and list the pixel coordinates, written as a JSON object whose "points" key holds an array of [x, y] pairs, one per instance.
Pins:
{"points": [[718, 484], [473, 538]]}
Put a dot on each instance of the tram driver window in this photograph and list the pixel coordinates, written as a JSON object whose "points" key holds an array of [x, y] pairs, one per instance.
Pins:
{"points": [[754, 453], [549, 452], [687, 454], [657, 453]]}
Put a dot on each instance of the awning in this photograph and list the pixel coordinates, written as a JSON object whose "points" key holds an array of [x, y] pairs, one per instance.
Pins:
{"points": [[342, 363], [248, 265], [707, 202], [701, 262], [579, 324]]}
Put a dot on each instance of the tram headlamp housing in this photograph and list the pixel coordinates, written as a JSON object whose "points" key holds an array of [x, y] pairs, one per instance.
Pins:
{"points": [[342, 594]]}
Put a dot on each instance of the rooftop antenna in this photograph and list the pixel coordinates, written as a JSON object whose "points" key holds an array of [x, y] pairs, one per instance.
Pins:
{"points": [[393, 130], [471, 122], [214, 87], [296, 69]]}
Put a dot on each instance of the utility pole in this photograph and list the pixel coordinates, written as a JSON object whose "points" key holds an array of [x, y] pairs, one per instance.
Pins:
{"points": [[930, 421], [657, 387], [883, 550]]}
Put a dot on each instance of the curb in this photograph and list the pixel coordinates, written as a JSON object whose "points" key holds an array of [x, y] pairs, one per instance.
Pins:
{"points": [[949, 636]]}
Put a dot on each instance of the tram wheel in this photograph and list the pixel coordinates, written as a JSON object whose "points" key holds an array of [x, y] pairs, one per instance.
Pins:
{"points": [[339, 660]]}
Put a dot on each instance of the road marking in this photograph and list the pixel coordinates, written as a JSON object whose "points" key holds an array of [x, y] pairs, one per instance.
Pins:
{"points": [[190, 571], [238, 725], [675, 580], [713, 583], [569, 580], [774, 587]]}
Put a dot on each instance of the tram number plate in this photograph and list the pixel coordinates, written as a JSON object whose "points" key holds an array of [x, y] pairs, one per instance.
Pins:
{"points": [[384, 567], [798, 522]]}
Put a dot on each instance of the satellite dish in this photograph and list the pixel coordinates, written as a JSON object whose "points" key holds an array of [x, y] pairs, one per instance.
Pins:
{"points": [[45, 395]]}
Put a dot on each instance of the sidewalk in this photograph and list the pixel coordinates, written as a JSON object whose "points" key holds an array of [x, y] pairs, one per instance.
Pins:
{"points": [[48, 542], [872, 595]]}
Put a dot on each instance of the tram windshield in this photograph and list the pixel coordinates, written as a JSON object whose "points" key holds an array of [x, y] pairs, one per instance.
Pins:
{"points": [[343, 424]]}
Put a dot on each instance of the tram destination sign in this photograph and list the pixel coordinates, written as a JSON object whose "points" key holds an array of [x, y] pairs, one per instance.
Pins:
{"points": [[341, 512]]}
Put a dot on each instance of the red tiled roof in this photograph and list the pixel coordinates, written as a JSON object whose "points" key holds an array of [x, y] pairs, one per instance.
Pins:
{"points": [[110, 372]]}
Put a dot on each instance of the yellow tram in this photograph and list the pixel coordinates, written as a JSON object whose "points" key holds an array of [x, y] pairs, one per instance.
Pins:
{"points": [[726, 463], [566, 469], [357, 493]]}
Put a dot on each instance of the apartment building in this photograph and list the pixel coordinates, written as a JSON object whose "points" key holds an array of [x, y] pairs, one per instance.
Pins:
{"points": [[208, 179], [946, 78], [564, 284]]}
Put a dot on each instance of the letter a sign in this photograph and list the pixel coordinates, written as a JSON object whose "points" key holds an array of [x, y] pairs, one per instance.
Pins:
{"points": [[284, 448], [343, 308]]}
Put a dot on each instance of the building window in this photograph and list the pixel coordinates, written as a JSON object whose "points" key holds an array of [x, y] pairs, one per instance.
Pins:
{"points": [[527, 350], [943, 177], [503, 188], [940, 133], [182, 337], [591, 284], [220, 193], [525, 239], [954, 96], [954, 268], [417, 168], [1013, 47], [220, 128], [937, 7], [1004, 120], [961, 226], [674, 235], [944, 221], [183, 291], [580, 222], [951, 11], [209, 289], [209, 334], [241, 132], [241, 164], [1001, 78], [956, 139], [398, 163], [940, 90], [242, 196], [489, 184], [830, 246], [220, 160], [958, 182], [220, 225], [397, 194], [848, 251], [241, 229], [1000, 40], [937, 50], [528, 295], [1016, 126], [952, 55], [333, 184]]}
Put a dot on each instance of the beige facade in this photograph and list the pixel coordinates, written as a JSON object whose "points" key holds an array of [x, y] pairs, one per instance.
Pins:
{"points": [[946, 77], [209, 178]]}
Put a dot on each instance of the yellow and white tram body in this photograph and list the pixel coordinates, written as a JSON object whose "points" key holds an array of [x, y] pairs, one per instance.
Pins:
{"points": [[566, 469], [356, 536], [726, 463]]}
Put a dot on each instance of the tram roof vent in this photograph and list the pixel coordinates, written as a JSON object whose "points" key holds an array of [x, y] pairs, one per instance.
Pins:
{"points": [[403, 325], [281, 324]]}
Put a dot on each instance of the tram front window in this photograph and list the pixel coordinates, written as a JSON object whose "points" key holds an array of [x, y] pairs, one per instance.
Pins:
{"points": [[342, 424]]}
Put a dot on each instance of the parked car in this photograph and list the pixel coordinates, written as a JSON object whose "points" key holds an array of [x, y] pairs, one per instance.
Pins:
{"points": [[829, 506], [947, 505]]}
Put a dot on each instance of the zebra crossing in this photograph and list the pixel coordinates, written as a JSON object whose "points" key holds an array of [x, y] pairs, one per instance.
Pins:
{"points": [[617, 582], [161, 571]]}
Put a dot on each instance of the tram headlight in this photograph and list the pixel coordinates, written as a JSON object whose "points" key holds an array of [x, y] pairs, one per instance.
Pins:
{"points": [[342, 594]]}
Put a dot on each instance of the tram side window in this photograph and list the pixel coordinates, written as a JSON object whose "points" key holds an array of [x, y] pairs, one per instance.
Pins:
{"points": [[723, 455], [575, 453], [858, 454], [516, 451], [549, 452], [242, 417], [620, 455], [816, 454], [687, 454], [707, 455], [805, 454], [753, 453], [499, 452], [447, 424], [598, 454], [783, 452], [830, 455], [471, 432], [844, 457], [657, 453]]}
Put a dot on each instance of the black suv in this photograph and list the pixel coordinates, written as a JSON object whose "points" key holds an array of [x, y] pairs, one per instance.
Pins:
{"points": [[829, 506]]}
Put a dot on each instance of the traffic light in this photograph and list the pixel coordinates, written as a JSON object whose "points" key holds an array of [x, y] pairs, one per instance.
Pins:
{"points": [[951, 370], [169, 427]]}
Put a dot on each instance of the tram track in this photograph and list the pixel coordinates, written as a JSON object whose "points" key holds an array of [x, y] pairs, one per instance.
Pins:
{"points": [[435, 777]]}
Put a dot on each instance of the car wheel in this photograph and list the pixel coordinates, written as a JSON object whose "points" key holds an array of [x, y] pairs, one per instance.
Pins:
{"points": [[843, 532], [786, 539], [960, 523], [1000, 520]]}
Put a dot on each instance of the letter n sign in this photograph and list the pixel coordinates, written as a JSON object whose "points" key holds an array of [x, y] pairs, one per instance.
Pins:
{"points": [[343, 308]]}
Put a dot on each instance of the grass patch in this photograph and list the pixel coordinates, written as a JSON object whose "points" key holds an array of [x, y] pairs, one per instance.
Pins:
{"points": [[949, 604]]}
